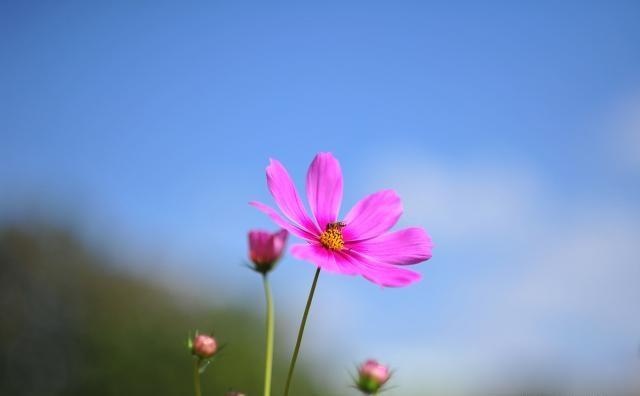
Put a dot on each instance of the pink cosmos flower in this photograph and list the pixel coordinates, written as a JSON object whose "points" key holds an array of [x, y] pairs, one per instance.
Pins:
{"points": [[265, 248], [360, 243]]}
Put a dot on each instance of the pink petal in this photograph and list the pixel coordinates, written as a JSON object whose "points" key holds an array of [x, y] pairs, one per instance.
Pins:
{"points": [[372, 216], [324, 188], [324, 258], [345, 264], [280, 239], [382, 274], [292, 228], [408, 246], [286, 196]]}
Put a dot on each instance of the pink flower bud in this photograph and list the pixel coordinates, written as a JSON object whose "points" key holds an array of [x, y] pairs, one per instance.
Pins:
{"points": [[204, 346], [371, 376], [265, 248], [234, 394]]}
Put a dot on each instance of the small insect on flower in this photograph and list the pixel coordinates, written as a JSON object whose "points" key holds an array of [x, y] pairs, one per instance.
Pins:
{"points": [[203, 346], [337, 224], [266, 248], [372, 376]]}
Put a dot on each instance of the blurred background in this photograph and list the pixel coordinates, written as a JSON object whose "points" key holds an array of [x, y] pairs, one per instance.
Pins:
{"points": [[133, 134]]}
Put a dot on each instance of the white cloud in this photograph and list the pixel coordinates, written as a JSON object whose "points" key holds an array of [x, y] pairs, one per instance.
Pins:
{"points": [[572, 315], [464, 202], [576, 306], [589, 269], [567, 306]]}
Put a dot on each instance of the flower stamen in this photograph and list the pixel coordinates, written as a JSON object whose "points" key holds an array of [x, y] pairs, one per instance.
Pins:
{"points": [[332, 237]]}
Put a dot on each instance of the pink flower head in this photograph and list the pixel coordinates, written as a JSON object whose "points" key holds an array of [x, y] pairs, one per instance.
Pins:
{"points": [[265, 248], [359, 244], [372, 376], [204, 346], [374, 370]]}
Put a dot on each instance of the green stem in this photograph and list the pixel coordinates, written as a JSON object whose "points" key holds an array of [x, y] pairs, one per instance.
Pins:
{"points": [[270, 330], [196, 376], [300, 332]]}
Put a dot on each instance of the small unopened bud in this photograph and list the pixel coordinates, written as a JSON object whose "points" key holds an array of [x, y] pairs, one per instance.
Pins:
{"points": [[233, 393], [372, 376], [204, 346], [265, 248]]}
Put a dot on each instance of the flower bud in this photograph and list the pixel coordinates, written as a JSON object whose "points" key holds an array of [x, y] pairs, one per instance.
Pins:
{"points": [[204, 346], [233, 393], [265, 248], [372, 376]]}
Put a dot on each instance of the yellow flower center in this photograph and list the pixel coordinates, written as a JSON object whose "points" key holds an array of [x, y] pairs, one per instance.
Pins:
{"points": [[332, 237]]}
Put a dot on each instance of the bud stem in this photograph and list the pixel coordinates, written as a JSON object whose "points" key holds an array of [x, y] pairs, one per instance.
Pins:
{"points": [[270, 331], [196, 376], [300, 332]]}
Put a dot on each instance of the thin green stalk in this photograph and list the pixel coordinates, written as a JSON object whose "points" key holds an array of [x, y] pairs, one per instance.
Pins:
{"points": [[196, 376], [300, 332], [270, 330]]}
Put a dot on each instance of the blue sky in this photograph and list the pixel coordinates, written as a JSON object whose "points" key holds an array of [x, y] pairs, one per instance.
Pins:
{"points": [[510, 129]]}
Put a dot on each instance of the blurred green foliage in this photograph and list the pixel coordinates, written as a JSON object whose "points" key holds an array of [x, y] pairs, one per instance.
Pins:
{"points": [[73, 325]]}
